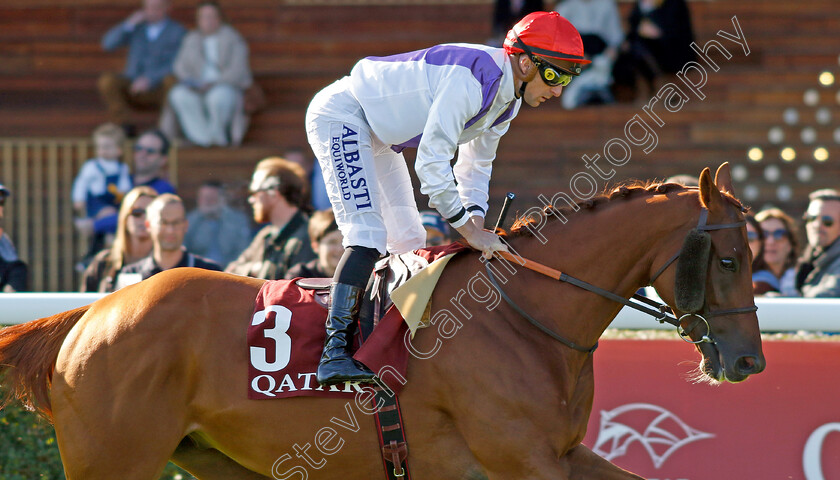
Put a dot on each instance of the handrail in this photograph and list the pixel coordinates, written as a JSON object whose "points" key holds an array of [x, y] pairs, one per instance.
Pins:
{"points": [[774, 314]]}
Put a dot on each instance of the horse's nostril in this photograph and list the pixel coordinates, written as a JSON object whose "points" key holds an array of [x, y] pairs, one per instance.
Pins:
{"points": [[749, 365]]}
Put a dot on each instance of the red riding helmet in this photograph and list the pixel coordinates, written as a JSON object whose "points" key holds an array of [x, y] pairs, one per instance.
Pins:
{"points": [[546, 34]]}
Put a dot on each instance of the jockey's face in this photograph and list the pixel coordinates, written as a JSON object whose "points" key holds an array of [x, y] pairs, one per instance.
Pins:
{"points": [[537, 91]]}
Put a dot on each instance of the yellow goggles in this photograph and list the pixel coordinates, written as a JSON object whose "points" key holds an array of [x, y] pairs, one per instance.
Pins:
{"points": [[553, 76]]}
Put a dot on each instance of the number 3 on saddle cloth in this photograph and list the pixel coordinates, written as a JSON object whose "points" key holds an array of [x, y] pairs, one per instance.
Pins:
{"points": [[286, 335]]}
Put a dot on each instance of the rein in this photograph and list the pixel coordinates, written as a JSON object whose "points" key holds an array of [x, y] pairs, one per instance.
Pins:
{"points": [[662, 313]]}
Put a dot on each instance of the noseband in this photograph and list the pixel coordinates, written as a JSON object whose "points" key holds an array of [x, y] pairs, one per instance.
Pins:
{"points": [[697, 241]]}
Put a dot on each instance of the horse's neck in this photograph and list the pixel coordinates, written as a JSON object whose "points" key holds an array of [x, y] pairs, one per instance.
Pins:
{"points": [[612, 246]]}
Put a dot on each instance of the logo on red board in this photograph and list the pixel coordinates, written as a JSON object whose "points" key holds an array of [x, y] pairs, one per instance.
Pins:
{"points": [[657, 430]]}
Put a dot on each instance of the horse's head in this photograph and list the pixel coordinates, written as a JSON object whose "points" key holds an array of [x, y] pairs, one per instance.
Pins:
{"points": [[711, 287]]}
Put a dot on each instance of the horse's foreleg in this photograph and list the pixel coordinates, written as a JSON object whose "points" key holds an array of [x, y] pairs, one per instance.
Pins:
{"points": [[588, 465], [210, 464]]}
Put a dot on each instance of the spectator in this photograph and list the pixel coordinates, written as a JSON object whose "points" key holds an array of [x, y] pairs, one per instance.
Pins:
{"points": [[213, 73], [437, 230], [508, 12], [599, 24], [755, 238], [13, 272], [150, 163], [132, 243], [216, 231], [153, 40], [818, 274], [658, 41], [326, 242], [781, 249], [166, 220], [100, 185], [278, 193], [319, 199], [151, 160]]}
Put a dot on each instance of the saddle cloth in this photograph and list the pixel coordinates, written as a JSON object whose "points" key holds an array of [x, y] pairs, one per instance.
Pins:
{"points": [[286, 333]]}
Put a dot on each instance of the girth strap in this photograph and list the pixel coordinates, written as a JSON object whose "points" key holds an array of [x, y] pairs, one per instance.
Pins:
{"points": [[390, 430], [389, 426]]}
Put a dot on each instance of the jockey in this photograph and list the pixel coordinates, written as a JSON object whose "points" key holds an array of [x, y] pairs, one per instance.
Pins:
{"points": [[447, 97]]}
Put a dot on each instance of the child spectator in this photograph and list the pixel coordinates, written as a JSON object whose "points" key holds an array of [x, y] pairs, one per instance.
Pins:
{"points": [[326, 243], [101, 183]]}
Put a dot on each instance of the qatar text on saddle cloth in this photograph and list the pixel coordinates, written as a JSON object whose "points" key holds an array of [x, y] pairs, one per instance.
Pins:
{"points": [[286, 335]]}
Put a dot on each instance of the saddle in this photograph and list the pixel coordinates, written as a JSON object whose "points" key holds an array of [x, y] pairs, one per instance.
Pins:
{"points": [[388, 274]]}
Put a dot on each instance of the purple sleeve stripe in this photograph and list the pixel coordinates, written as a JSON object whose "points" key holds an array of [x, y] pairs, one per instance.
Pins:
{"points": [[505, 115], [413, 143], [480, 63]]}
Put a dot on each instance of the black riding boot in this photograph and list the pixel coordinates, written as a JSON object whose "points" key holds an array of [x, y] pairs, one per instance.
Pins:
{"points": [[337, 365]]}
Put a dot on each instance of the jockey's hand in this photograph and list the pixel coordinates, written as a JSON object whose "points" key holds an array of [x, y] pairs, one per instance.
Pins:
{"points": [[480, 239]]}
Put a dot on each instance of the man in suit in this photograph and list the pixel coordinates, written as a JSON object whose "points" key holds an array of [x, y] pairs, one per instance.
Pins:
{"points": [[153, 40]]}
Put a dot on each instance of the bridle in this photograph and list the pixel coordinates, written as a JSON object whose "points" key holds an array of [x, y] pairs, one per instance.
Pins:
{"points": [[662, 313]]}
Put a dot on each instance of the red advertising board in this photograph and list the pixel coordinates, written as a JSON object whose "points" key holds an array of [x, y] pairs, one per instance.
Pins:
{"points": [[651, 419]]}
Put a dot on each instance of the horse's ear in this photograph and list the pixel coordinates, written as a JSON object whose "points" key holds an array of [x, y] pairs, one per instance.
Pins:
{"points": [[709, 193], [723, 179]]}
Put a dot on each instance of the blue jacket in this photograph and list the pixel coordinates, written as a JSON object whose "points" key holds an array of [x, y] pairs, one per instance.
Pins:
{"points": [[150, 59]]}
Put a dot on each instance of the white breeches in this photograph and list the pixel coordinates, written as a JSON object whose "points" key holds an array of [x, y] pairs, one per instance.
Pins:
{"points": [[368, 183]]}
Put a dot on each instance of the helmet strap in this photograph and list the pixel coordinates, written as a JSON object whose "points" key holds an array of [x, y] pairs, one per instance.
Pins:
{"points": [[525, 82]]}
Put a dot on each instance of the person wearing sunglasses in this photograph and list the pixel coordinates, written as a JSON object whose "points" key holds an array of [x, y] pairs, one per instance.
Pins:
{"points": [[441, 100], [131, 243], [780, 252], [278, 195], [151, 159], [818, 273], [755, 239], [14, 273]]}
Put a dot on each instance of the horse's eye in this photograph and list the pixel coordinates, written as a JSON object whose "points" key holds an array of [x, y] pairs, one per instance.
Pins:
{"points": [[728, 264]]}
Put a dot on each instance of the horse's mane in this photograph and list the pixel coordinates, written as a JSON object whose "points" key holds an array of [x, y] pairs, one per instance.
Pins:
{"points": [[622, 190]]}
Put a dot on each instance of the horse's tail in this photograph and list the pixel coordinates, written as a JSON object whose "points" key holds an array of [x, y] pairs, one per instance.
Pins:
{"points": [[27, 358]]}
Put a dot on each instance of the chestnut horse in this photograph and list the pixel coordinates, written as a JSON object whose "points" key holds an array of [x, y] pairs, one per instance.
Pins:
{"points": [[157, 370]]}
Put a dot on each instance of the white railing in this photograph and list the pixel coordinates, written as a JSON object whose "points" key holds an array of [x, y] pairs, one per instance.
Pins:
{"points": [[774, 314]]}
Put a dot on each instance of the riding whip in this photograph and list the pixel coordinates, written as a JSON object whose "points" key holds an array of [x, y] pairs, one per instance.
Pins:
{"points": [[505, 207]]}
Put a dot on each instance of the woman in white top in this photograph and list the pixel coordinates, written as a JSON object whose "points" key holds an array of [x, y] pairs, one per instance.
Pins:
{"points": [[213, 72]]}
